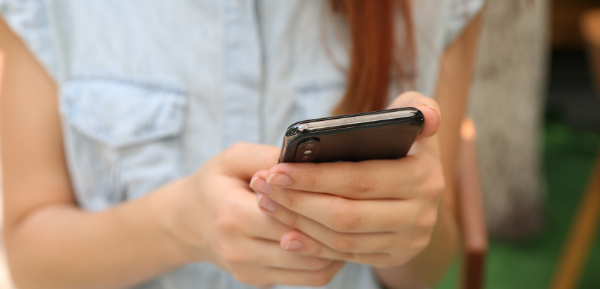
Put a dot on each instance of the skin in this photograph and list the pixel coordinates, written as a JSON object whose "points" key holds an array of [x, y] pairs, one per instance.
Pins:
{"points": [[212, 214]]}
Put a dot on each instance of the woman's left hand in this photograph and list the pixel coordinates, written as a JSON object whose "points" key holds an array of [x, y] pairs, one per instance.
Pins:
{"points": [[378, 212]]}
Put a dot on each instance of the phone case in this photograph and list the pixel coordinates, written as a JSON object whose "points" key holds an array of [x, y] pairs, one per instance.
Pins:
{"points": [[384, 134]]}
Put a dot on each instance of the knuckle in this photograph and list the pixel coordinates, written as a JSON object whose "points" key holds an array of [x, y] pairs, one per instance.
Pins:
{"points": [[346, 221], [228, 223], [233, 258], [359, 184], [345, 216], [343, 244]]}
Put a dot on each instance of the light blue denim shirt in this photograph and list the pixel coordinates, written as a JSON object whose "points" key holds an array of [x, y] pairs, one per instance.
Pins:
{"points": [[149, 89]]}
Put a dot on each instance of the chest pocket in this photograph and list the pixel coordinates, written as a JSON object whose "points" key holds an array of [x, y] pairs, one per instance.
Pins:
{"points": [[122, 139]]}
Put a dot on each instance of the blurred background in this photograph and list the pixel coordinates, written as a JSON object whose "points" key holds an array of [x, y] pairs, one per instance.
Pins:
{"points": [[536, 105]]}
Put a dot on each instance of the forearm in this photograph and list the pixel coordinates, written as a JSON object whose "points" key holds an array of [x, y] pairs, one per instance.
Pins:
{"points": [[427, 268], [60, 246]]}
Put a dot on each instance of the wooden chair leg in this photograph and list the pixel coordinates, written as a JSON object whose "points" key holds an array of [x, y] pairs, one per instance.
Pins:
{"points": [[580, 238], [471, 211]]}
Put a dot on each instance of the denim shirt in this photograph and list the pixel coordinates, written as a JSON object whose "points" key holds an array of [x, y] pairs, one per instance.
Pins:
{"points": [[149, 90]]}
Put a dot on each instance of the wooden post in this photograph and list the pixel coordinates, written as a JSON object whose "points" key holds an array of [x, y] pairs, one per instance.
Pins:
{"points": [[471, 214]]}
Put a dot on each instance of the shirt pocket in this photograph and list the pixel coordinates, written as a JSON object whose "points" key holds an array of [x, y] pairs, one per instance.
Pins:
{"points": [[318, 99], [122, 139]]}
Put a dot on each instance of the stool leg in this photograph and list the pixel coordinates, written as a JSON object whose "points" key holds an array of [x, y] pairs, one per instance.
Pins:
{"points": [[581, 236]]}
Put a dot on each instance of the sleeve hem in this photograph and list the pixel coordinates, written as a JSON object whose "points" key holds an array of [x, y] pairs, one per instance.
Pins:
{"points": [[28, 19], [460, 15]]}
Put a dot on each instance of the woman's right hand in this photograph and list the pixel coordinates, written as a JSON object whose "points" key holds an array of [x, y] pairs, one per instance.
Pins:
{"points": [[216, 220]]}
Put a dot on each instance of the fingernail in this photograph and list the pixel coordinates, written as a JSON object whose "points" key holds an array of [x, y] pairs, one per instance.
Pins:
{"points": [[279, 180], [437, 111], [252, 181], [260, 186], [266, 203], [293, 245]]}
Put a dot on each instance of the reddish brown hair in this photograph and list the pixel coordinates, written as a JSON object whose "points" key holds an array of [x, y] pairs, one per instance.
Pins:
{"points": [[375, 56]]}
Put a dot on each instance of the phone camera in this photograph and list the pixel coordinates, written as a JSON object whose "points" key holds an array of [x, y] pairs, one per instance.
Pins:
{"points": [[308, 150]]}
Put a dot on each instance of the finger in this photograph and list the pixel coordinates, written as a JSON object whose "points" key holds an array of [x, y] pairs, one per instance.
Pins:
{"points": [[262, 174], [255, 275], [300, 243], [311, 247], [341, 242], [374, 179], [243, 159], [320, 277], [427, 142], [270, 254], [429, 107], [349, 216], [253, 222]]}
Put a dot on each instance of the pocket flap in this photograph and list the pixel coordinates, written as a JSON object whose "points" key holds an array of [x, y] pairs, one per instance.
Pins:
{"points": [[122, 113]]}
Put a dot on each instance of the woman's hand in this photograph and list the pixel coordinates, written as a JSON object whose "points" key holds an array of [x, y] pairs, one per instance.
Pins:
{"points": [[378, 212], [218, 221]]}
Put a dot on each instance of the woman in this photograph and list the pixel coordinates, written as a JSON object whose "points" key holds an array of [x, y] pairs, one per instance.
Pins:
{"points": [[130, 134]]}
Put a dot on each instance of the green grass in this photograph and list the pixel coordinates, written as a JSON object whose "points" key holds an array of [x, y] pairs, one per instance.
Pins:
{"points": [[568, 156]]}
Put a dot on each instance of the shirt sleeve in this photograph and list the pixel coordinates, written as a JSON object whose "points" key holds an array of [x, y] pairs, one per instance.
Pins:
{"points": [[460, 15], [29, 20]]}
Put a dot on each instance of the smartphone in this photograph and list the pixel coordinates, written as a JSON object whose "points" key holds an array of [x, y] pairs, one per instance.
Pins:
{"points": [[383, 134]]}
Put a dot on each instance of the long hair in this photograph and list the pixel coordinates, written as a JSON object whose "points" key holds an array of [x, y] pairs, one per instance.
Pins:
{"points": [[375, 55]]}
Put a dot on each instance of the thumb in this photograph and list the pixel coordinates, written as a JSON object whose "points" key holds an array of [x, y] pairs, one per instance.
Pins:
{"points": [[429, 107], [243, 160]]}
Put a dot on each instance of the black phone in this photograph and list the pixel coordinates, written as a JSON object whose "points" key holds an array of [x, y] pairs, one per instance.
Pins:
{"points": [[383, 134]]}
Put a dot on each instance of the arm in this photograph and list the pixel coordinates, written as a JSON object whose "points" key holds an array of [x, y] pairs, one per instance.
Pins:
{"points": [[49, 240], [51, 243], [454, 83]]}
